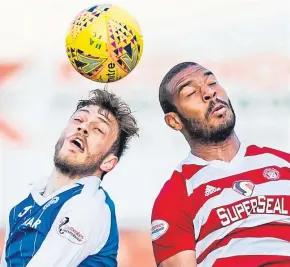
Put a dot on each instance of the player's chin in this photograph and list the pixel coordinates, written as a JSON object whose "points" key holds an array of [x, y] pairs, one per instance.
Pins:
{"points": [[75, 162], [73, 157], [218, 120]]}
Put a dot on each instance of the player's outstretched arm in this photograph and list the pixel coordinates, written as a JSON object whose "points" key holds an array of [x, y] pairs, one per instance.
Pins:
{"points": [[182, 259], [80, 229]]}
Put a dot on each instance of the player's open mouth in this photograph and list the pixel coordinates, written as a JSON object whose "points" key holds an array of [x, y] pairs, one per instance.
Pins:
{"points": [[78, 143]]}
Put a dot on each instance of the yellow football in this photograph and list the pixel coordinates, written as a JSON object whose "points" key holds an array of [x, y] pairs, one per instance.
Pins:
{"points": [[104, 43]]}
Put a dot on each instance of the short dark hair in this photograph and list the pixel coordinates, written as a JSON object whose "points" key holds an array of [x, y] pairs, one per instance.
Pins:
{"points": [[110, 103], [165, 97]]}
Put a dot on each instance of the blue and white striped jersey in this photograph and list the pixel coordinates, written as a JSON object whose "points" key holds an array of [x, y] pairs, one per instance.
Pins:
{"points": [[75, 226]]}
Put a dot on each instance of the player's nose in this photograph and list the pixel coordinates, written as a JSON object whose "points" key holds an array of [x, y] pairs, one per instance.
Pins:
{"points": [[83, 128], [208, 93]]}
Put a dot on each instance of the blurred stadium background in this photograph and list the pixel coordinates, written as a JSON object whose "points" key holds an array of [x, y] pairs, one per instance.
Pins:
{"points": [[246, 43]]}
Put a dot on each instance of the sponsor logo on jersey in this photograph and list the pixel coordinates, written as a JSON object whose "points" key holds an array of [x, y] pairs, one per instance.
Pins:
{"points": [[158, 229], [210, 190], [32, 222], [66, 230], [51, 202], [255, 205], [245, 188], [24, 211], [271, 174]]}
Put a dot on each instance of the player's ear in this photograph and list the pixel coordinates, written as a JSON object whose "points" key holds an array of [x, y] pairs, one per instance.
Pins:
{"points": [[173, 121], [109, 163]]}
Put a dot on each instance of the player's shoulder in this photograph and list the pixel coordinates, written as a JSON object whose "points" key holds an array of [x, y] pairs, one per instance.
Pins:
{"points": [[107, 200], [171, 204], [168, 202], [175, 187], [171, 189], [92, 193], [254, 150], [96, 202]]}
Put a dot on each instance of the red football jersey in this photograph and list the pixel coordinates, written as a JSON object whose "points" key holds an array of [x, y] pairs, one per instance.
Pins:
{"points": [[234, 214]]}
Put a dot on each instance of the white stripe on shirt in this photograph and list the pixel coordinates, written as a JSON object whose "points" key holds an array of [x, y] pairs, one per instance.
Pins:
{"points": [[210, 173], [248, 246]]}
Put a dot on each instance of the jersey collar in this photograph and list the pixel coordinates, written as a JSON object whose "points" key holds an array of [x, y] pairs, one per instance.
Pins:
{"points": [[91, 184]]}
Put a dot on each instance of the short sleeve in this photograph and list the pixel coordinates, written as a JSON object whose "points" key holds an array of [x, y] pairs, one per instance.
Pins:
{"points": [[171, 223], [76, 233]]}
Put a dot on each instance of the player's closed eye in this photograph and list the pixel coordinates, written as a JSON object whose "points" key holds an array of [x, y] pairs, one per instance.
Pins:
{"points": [[78, 120], [98, 130], [190, 94], [213, 83]]}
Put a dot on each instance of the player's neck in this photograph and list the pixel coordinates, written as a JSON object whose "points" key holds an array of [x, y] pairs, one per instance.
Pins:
{"points": [[56, 181], [224, 151]]}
